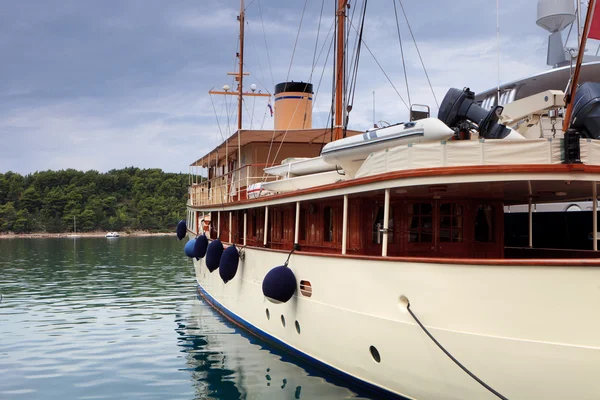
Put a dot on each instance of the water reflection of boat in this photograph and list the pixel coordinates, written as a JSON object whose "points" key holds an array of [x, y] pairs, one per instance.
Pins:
{"points": [[227, 363]]}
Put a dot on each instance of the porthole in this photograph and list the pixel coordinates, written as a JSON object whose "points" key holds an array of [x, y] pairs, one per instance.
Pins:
{"points": [[305, 288], [268, 314], [282, 321], [297, 327], [375, 354]]}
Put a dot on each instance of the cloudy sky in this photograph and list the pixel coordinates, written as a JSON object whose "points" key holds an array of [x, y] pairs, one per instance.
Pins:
{"points": [[115, 83]]}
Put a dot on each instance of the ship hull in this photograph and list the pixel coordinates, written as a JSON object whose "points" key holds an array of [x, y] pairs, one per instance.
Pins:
{"points": [[527, 331]]}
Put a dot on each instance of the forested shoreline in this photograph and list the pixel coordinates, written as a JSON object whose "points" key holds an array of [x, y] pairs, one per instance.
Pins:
{"points": [[118, 200]]}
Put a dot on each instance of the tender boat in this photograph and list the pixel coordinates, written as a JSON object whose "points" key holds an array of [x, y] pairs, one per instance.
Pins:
{"points": [[112, 235], [408, 275], [298, 167], [350, 152]]}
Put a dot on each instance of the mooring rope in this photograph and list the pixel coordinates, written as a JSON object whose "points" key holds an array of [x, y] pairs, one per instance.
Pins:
{"points": [[472, 375]]}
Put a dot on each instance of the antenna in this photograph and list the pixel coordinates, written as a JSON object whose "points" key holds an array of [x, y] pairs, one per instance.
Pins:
{"points": [[374, 123]]}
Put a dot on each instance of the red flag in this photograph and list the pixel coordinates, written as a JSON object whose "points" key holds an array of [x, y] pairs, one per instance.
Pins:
{"points": [[595, 25]]}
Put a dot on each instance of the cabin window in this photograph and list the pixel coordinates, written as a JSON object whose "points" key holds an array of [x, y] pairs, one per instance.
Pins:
{"points": [[485, 223], [240, 225], [377, 231], [253, 224], [420, 223], [281, 223], [302, 222], [451, 222], [328, 224]]}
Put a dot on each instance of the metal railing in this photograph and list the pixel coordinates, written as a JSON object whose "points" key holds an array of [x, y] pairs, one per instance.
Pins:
{"points": [[230, 187]]}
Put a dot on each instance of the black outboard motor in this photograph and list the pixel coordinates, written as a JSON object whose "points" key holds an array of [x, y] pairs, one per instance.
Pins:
{"points": [[586, 110], [459, 108]]}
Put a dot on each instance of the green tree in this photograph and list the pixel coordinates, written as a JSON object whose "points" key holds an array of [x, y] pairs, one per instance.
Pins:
{"points": [[8, 215]]}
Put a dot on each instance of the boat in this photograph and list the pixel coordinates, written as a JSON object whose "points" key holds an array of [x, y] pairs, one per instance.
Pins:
{"points": [[300, 166], [403, 277], [112, 235]]}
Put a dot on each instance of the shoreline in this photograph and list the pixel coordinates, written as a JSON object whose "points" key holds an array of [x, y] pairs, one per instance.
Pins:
{"points": [[71, 235]]}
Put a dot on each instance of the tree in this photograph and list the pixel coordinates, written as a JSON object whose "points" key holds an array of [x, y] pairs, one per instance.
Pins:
{"points": [[22, 222], [8, 215], [31, 200]]}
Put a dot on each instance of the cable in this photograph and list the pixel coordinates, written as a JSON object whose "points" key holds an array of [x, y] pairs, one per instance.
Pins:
{"points": [[419, 53], [354, 78], [402, 54], [482, 383], [296, 42], [216, 117], [382, 70]]}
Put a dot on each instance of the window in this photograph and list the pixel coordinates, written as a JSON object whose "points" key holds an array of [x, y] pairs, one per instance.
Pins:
{"points": [[253, 224], [451, 222], [485, 223], [302, 222], [281, 222], [377, 230], [420, 223], [328, 224]]}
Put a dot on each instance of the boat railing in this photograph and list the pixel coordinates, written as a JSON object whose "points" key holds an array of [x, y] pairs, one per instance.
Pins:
{"points": [[230, 187]]}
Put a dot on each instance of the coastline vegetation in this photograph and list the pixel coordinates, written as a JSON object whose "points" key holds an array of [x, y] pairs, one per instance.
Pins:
{"points": [[118, 200]]}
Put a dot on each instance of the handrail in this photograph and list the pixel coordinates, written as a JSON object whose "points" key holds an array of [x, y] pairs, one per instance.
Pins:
{"points": [[228, 187]]}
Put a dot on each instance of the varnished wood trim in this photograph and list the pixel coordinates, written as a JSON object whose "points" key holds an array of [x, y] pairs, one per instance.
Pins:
{"points": [[420, 173], [550, 262]]}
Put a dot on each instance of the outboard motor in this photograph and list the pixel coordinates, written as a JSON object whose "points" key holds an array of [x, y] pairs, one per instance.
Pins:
{"points": [[459, 109], [586, 110]]}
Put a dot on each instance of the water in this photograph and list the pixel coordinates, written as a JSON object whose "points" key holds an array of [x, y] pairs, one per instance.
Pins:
{"points": [[96, 318]]}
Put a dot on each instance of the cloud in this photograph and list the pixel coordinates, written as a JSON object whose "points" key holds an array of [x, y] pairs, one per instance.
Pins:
{"points": [[119, 83]]}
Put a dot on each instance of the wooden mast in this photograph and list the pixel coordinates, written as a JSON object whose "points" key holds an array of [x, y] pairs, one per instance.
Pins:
{"points": [[339, 69], [571, 95], [241, 65], [239, 76]]}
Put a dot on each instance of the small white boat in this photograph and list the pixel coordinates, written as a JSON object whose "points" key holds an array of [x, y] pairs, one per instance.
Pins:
{"points": [[256, 190], [303, 182], [350, 152], [112, 235], [300, 166]]}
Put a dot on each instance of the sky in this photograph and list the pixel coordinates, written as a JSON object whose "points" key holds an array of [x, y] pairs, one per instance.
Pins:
{"points": [[115, 83]]}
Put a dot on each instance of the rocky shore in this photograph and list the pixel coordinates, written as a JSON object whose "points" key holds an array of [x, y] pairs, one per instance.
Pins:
{"points": [[40, 235]]}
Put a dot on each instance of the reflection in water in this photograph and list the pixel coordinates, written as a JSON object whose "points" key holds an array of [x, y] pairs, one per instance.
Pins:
{"points": [[91, 318]]}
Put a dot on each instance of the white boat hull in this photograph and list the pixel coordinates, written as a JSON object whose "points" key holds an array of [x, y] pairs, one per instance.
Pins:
{"points": [[304, 182], [529, 332], [301, 167]]}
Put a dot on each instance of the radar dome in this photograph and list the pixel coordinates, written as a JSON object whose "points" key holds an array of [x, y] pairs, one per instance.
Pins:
{"points": [[555, 15]]}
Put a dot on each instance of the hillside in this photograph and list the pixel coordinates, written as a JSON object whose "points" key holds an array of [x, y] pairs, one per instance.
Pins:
{"points": [[130, 198]]}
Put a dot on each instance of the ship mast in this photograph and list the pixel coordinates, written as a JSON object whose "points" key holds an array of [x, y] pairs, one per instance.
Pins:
{"points": [[341, 6], [239, 76]]}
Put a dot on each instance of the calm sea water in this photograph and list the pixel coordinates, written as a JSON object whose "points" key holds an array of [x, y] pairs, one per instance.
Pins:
{"points": [[96, 318]]}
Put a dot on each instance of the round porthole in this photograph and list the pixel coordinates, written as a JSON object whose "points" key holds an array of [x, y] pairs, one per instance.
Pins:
{"points": [[283, 321], [297, 327], [268, 314], [375, 354]]}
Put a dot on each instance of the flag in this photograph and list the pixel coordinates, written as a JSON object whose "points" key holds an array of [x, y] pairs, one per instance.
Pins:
{"points": [[270, 108], [594, 32]]}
